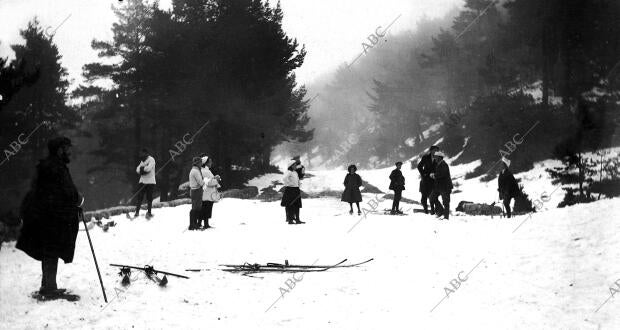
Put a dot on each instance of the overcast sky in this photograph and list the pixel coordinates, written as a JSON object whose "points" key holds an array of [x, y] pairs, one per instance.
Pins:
{"points": [[332, 30]]}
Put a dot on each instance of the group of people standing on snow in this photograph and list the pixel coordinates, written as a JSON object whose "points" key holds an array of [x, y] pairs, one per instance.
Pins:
{"points": [[435, 182], [203, 192]]}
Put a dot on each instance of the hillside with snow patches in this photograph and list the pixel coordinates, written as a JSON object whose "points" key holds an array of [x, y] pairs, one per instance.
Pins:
{"points": [[552, 269]]}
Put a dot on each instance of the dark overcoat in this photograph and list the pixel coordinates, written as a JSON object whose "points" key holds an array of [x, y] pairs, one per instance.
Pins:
{"points": [[352, 184], [397, 180], [50, 213], [426, 166], [443, 181], [507, 185]]}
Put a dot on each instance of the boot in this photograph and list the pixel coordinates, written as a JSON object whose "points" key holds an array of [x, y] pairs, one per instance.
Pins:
{"points": [[297, 221], [49, 268]]}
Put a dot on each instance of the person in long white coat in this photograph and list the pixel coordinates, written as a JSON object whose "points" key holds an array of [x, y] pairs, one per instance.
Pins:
{"points": [[146, 169], [209, 193]]}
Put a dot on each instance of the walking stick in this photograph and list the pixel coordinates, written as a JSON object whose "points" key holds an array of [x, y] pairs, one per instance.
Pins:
{"points": [[81, 215]]}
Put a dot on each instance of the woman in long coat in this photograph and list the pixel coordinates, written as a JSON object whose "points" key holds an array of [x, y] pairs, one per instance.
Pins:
{"points": [[352, 194], [291, 199]]}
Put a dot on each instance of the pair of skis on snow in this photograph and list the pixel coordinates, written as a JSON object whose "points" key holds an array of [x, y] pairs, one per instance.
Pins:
{"points": [[248, 268], [150, 272]]}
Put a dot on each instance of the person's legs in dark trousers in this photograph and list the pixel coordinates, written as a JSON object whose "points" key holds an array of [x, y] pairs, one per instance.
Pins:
{"points": [[351, 208], [141, 191], [290, 214], [194, 214], [49, 268], [434, 198], [445, 197], [149, 197], [507, 206], [396, 202], [358, 207]]}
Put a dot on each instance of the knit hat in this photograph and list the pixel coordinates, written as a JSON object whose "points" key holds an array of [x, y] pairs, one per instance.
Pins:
{"points": [[197, 161], [506, 161]]}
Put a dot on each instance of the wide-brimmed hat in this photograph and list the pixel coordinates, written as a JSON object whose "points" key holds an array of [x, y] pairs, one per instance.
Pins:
{"points": [[291, 163]]}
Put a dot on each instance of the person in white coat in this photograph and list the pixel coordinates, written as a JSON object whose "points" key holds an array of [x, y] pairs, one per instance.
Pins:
{"points": [[146, 169], [291, 199], [209, 193]]}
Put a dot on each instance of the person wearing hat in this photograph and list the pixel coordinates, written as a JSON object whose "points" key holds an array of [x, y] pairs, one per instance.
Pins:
{"points": [[146, 169], [352, 184], [507, 185], [443, 186], [426, 167], [209, 193], [291, 198], [196, 184], [397, 183], [50, 217]]}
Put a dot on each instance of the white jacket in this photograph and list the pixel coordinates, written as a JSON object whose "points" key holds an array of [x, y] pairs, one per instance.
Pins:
{"points": [[149, 167], [211, 184], [291, 179]]}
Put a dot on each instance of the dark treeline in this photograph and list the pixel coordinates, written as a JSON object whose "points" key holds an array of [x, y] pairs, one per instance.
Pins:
{"points": [[486, 72], [206, 76]]}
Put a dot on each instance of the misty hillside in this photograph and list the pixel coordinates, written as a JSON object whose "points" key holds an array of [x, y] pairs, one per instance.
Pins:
{"points": [[472, 86]]}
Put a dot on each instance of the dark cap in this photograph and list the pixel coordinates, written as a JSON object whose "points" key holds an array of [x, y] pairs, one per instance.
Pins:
{"points": [[433, 148], [56, 143], [399, 163], [352, 166]]}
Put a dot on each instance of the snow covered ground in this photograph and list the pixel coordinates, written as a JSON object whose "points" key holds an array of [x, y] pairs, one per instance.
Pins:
{"points": [[550, 270]]}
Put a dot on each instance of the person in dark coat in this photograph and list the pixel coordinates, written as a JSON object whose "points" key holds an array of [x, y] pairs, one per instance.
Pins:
{"points": [[352, 184], [507, 186], [291, 198], [50, 215], [426, 166], [443, 186], [397, 183]]}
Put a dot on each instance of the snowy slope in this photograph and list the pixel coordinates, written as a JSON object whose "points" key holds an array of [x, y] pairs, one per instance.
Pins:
{"points": [[551, 273]]}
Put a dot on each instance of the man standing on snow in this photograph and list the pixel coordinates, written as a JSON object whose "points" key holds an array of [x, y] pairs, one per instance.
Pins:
{"points": [[443, 186], [426, 167], [50, 216], [146, 169], [507, 186], [196, 184], [397, 183]]}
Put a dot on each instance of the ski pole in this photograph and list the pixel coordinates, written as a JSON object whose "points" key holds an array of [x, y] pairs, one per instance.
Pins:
{"points": [[81, 215]]}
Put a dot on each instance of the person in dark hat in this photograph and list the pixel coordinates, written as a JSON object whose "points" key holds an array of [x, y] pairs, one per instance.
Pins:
{"points": [[426, 167], [507, 186], [443, 186], [196, 184], [50, 217], [397, 183], [291, 198], [352, 184]]}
